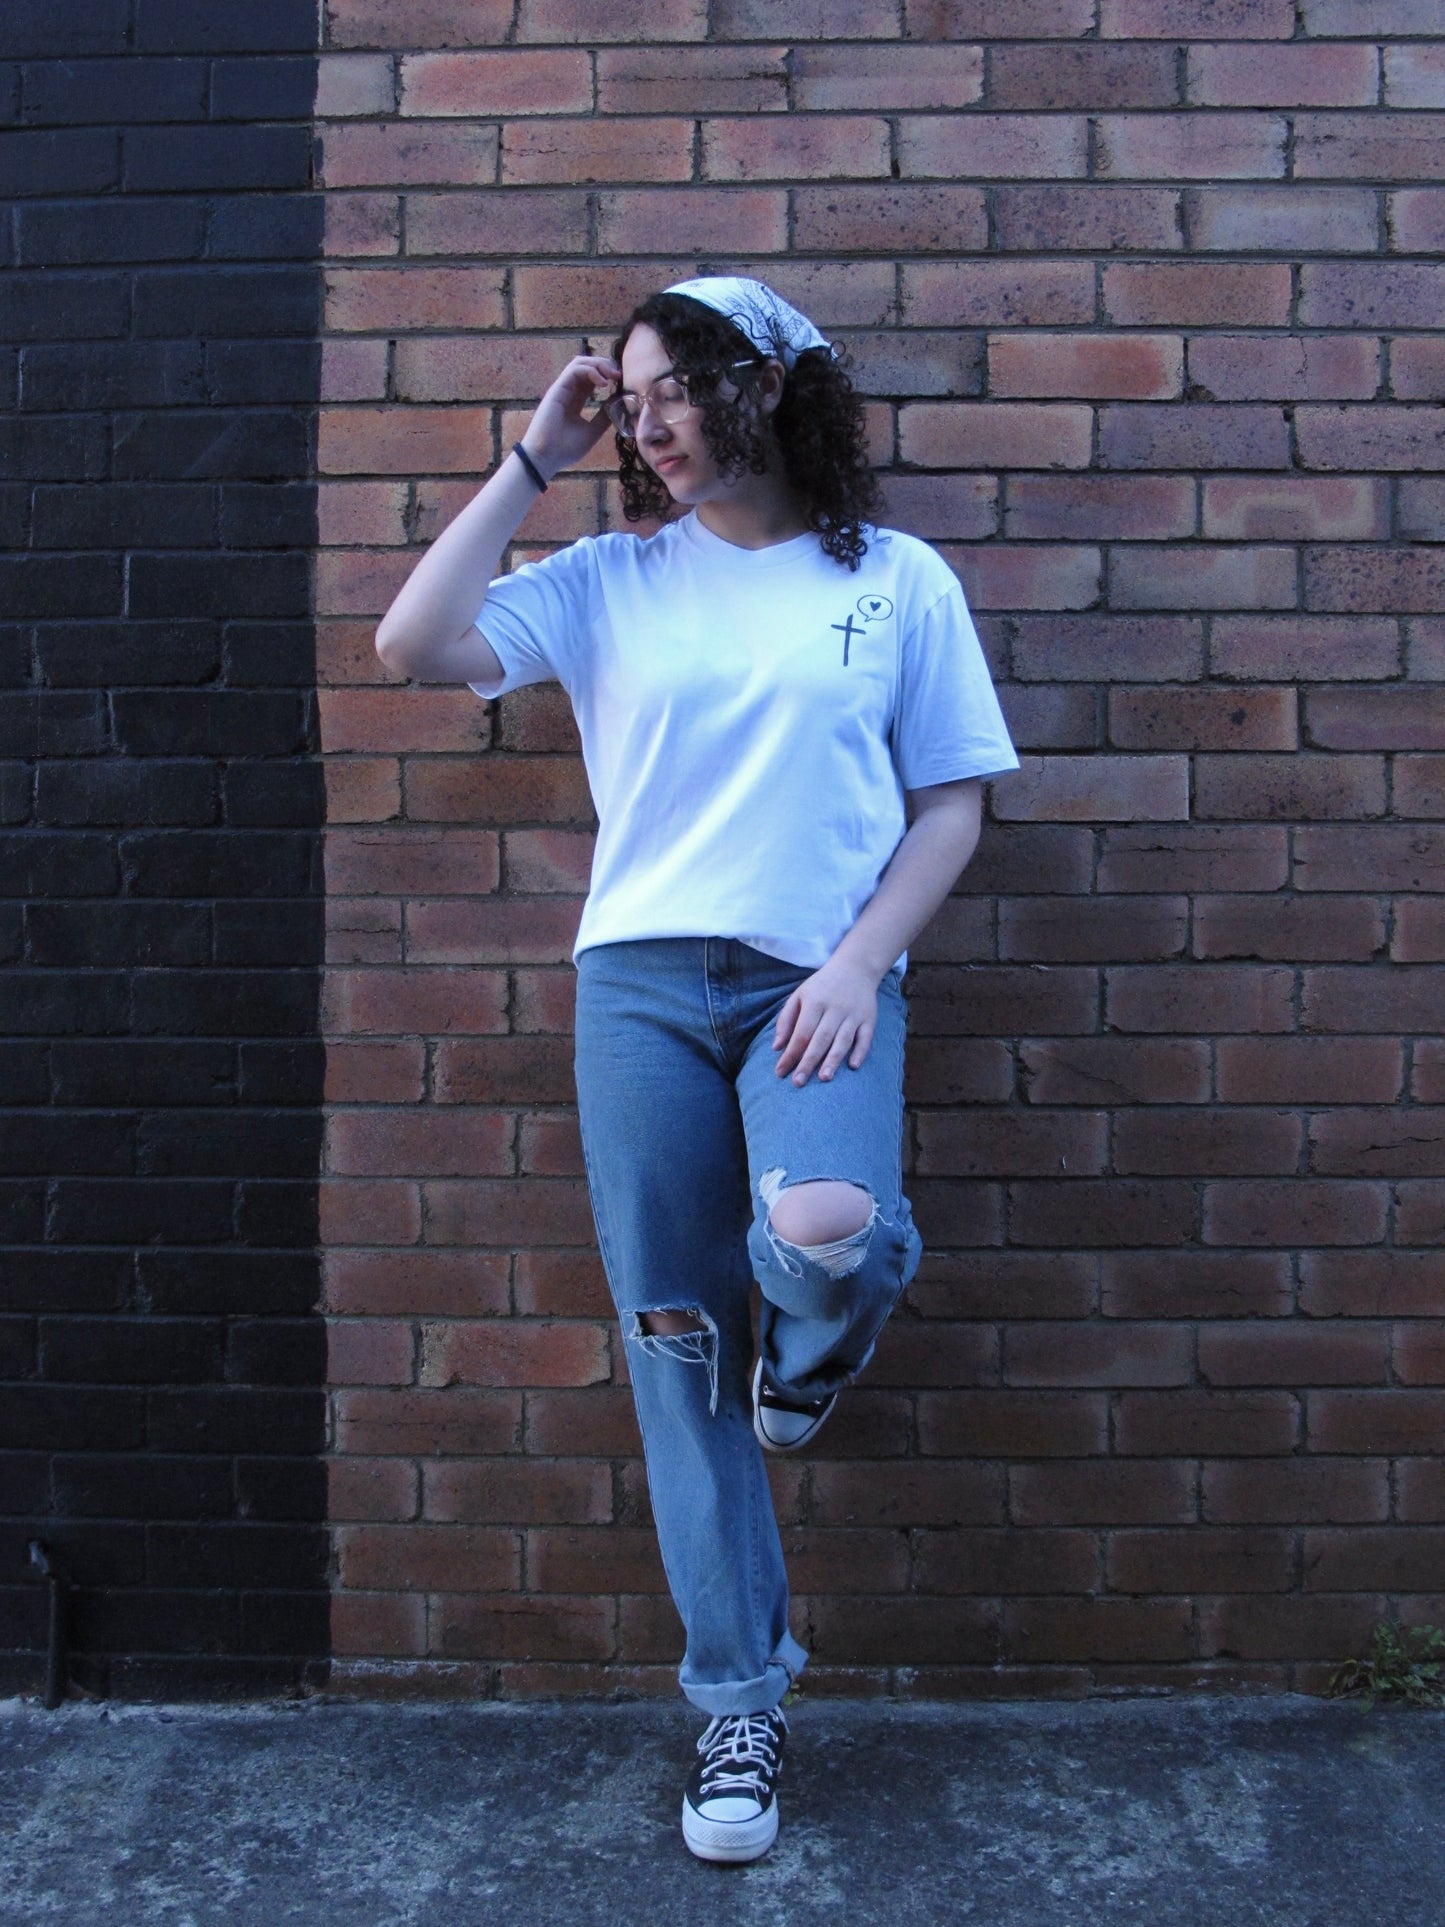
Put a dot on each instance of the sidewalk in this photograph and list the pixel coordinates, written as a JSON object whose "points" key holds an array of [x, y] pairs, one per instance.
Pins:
{"points": [[1188, 1812]]}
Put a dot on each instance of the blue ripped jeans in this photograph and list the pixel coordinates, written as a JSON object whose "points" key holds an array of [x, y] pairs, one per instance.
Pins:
{"points": [[689, 1136]]}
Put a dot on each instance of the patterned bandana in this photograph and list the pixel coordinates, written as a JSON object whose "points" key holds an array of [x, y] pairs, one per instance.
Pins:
{"points": [[773, 325]]}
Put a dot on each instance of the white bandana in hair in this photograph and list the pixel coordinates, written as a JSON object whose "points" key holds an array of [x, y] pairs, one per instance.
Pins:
{"points": [[774, 326]]}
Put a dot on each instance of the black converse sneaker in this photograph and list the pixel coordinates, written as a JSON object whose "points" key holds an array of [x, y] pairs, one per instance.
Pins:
{"points": [[782, 1425], [730, 1810]]}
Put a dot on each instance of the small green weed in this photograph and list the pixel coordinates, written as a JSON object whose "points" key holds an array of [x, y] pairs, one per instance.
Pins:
{"points": [[1406, 1663]]}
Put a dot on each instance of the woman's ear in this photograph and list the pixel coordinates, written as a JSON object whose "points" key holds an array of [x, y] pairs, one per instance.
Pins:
{"points": [[769, 385]]}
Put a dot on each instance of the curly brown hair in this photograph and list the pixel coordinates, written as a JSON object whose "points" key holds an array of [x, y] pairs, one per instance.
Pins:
{"points": [[818, 423]]}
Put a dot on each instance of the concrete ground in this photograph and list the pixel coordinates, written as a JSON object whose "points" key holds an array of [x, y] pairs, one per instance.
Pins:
{"points": [[1178, 1812]]}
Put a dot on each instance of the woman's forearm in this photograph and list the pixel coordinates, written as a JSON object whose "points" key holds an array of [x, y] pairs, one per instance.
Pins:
{"points": [[440, 598], [921, 873]]}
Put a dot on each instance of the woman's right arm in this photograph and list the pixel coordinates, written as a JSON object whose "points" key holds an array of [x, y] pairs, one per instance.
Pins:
{"points": [[429, 632]]}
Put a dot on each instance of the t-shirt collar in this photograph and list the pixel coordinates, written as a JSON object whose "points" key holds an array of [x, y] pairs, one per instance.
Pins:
{"points": [[776, 553]]}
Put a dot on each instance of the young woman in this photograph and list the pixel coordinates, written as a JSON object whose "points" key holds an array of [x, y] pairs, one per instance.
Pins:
{"points": [[758, 686]]}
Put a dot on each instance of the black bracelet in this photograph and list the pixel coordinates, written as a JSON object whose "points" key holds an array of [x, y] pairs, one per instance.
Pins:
{"points": [[530, 466]]}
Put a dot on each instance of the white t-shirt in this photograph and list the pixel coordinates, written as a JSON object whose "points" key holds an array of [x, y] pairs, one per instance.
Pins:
{"points": [[750, 720]]}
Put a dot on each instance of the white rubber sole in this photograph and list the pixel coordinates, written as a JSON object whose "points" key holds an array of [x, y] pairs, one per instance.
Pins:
{"points": [[788, 1445], [734, 1840]]}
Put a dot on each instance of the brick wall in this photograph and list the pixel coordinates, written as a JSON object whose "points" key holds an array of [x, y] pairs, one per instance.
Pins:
{"points": [[1141, 290], [162, 1363]]}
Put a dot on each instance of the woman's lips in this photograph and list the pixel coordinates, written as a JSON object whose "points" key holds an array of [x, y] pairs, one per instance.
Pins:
{"points": [[666, 462]]}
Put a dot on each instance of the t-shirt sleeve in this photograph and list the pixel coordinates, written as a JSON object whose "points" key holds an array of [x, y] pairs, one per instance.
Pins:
{"points": [[948, 723], [538, 619]]}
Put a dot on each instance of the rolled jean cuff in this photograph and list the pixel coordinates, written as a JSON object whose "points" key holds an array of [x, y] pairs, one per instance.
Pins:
{"points": [[752, 1695]]}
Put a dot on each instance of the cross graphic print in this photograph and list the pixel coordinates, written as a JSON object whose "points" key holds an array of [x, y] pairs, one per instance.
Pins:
{"points": [[848, 630]]}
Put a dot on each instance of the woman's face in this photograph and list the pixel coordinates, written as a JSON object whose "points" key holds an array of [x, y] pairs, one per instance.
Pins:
{"points": [[676, 451]]}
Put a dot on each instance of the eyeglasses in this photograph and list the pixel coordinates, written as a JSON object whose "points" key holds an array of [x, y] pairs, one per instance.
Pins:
{"points": [[669, 398]]}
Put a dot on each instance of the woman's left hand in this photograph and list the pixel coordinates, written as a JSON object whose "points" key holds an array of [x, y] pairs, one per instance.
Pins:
{"points": [[834, 1009]]}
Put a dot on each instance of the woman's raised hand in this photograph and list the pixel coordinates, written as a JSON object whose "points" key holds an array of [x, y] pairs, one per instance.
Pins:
{"points": [[559, 434]]}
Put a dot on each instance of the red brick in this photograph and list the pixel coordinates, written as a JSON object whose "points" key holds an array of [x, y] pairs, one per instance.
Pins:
{"points": [[1382, 718], [402, 719], [572, 21], [1370, 294], [915, 362], [1204, 147], [388, 299], [354, 84], [429, 23], [1293, 1211], [1224, 578], [1195, 1284], [419, 1143], [414, 1283], [1009, 1424], [394, 154], [1292, 368], [1376, 146], [505, 1212], [367, 790], [1406, 1559], [519, 930], [1419, 936], [656, 220], [802, 147], [994, 1284], [1102, 1211], [1419, 1211], [692, 80], [368, 1351], [1203, 1142], [994, 146], [361, 512], [1207, 718], [1386, 16], [491, 84], [1311, 648], [979, 1560], [1415, 220], [1428, 1072], [360, 1488], [531, 1627], [427, 1423], [1200, 1559], [960, 1072], [353, 370], [498, 789], [1393, 999], [909, 217], [1296, 508], [496, 221], [377, 1624], [1302, 75], [804, 19], [1094, 789], [998, 19], [1288, 929], [1132, 367], [1091, 76], [514, 1352], [1091, 930], [374, 1212], [613, 1558], [348, 584], [1201, 857], [1134, 507], [1289, 1491], [593, 295], [1033, 219], [1198, 20], [1386, 1421], [1289, 1353], [1028, 577], [520, 1070], [884, 77], [1116, 648], [984, 1002], [1289, 220], [1379, 1142], [550, 1146], [1420, 1490], [1418, 1354], [1196, 435], [392, 860], [429, 1558], [577, 151], [986, 293], [1011, 1144], [1289, 1628], [544, 1000], [373, 1073], [1293, 787], [1427, 648], [1095, 1630], [1115, 1070], [1103, 1492], [1188, 1422], [1214, 293], [402, 1002], [363, 930], [994, 434], [941, 508], [1417, 370], [415, 441], [362, 224], [548, 860], [1146, 998], [1097, 1352]]}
